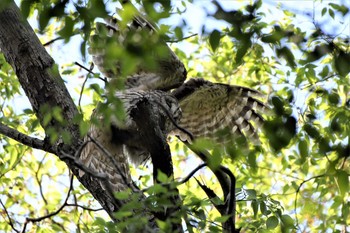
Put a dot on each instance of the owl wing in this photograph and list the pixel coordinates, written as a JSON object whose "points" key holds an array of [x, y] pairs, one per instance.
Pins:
{"points": [[168, 72], [217, 111]]}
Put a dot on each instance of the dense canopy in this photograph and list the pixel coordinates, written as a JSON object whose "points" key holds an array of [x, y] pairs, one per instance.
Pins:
{"points": [[294, 179]]}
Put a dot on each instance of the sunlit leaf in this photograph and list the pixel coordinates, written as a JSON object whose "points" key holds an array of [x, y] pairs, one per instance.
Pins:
{"points": [[343, 182]]}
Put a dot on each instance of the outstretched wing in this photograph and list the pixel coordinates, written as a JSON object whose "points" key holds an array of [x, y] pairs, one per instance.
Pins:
{"points": [[213, 110], [140, 37]]}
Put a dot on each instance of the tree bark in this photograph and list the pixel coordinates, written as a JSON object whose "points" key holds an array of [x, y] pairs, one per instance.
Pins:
{"points": [[153, 139], [41, 82]]}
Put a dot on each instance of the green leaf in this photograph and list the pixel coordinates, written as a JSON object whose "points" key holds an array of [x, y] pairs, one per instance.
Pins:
{"points": [[215, 160], [14, 158], [241, 51], [263, 208], [251, 193], [341, 8], [303, 147], [287, 221], [57, 114], [341, 63], [311, 131], [67, 31], [324, 72], [222, 219], [123, 214], [318, 52], [100, 221], [278, 105], [272, 222], [28, 111], [334, 98], [214, 39], [26, 7], [44, 18], [98, 9], [288, 55], [67, 137], [342, 179], [274, 38], [255, 207], [161, 177], [83, 127]]}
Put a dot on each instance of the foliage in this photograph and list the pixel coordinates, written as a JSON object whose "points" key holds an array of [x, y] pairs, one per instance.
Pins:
{"points": [[297, 179]]}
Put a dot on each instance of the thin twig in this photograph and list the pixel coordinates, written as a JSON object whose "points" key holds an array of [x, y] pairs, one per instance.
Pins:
{"points": [[318, 81], [297, 192], [232, 201], [228, 186], [82, 166], [89, 71], [53, 213], [52, 41], [83, 86], [78, 163], [39, 180], [8, 216], [184, 38], [83, 207], [184, 180]]}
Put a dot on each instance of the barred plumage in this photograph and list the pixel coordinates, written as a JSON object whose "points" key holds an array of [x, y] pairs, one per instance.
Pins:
{"points": [[95, 158], [210, 108]]}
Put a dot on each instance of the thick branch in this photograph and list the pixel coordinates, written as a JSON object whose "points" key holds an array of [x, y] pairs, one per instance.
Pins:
{"points": [[228, 183], [25, 139], [149, 123], [35, 70]]}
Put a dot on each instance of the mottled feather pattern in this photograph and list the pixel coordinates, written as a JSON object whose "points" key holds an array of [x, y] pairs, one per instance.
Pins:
{"points": [[96, 159], [208, 108], [170, 73]]}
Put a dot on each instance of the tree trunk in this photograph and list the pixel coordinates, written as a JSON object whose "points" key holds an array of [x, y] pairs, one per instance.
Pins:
{"points": [[39, 77]]}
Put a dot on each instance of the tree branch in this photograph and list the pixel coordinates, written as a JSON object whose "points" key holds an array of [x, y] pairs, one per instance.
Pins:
{"points": [[8, 216], [228, 184], [25, 139], [50, 214], [149, 123]]}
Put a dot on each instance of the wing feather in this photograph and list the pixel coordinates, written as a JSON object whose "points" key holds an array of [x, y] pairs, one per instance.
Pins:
{"points": [[169, 72], [213, 110]]}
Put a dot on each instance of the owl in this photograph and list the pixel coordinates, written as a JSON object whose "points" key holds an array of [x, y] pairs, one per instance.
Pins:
{"points": [[202, 108], [120, 137]]}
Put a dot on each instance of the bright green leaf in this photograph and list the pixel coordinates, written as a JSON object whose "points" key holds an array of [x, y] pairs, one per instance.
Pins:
{"points": [[342, 179]]}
